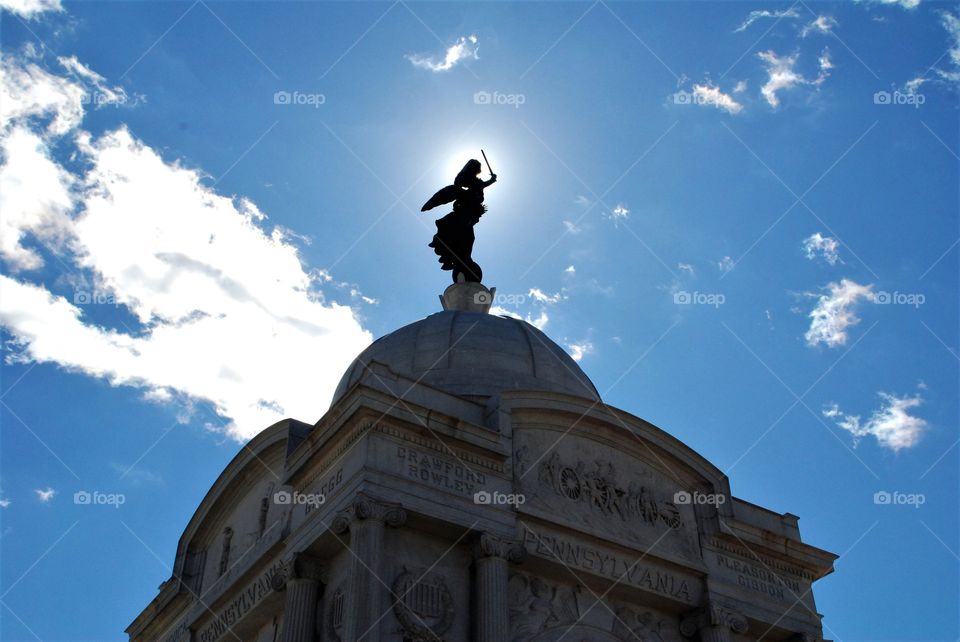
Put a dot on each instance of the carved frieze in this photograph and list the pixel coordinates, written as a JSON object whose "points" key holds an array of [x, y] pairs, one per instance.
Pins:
{"points": [[607, 492], [539, 606]]}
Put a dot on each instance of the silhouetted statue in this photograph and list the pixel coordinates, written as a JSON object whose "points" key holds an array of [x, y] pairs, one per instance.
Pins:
{"points": [[453, 241]]}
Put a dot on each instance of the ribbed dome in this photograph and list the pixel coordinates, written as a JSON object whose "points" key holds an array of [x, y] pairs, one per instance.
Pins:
{"points": [[474, 354]]}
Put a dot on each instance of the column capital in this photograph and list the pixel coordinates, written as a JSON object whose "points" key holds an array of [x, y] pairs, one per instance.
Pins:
{"points": [[305, 567], [488, 545], [713, 616], [366, 508]]}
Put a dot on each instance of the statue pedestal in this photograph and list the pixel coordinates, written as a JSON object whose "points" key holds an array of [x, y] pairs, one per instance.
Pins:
{"points": [[468, 297]]}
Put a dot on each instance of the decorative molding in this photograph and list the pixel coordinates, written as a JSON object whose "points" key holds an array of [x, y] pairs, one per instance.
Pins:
{"points": [[336, 614], [488, 545], [423, 605], [364, 507], [406, 435], [774, 564], [713, 615]]}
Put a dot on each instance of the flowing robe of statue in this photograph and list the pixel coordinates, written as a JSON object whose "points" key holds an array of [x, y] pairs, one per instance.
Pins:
{"points": [[453, 242]]}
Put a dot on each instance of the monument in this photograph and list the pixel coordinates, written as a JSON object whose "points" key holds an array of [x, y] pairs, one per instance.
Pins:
{"points": [[468, 484]]}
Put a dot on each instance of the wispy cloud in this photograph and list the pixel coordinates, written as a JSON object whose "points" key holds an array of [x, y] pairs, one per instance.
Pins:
{"points": [[760, 14], [578, 350], [726, 264], [819, 25], [30, 9], [45, 495], [620, 212], [892, 424], [4, 503], [713, 97], [826, 247], [540, 296], [685, 267], [906, 4], [540, 321], [835, 313], [781, 75], [465, 47]]}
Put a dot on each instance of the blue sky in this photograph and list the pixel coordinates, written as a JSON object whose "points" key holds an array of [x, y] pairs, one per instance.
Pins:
{"points": [[742, 219]]}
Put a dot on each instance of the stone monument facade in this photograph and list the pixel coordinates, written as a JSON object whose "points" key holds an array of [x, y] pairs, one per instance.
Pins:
{"points": [[468, 484]]}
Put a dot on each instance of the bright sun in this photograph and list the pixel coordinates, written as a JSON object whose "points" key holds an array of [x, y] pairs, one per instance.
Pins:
{"points": [[457, 160]]}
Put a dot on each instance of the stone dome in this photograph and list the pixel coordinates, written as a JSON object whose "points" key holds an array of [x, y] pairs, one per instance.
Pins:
{"points": [[474, 354]]}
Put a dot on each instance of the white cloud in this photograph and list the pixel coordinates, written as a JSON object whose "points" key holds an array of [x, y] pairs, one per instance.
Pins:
{"points": [[951, 23], [620, 212], [540, 296], [781, 75], [465, 47], [834, 313], [685, 267], [906, 4], [726, 264], [825, 246], [34, 198], [570, 270], [4, 503], [571, 227], [821, 25], [45, 495], [740, 87], [764, 13], [892, 424], [712, 96], [30, 8], [228, 313], [940, 74], [582, 201], [579, 350], [539, 322]]}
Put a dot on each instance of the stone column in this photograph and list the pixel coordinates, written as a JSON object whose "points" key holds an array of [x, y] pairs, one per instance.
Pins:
{"points": [[713, 623], [366, 520], [492, 556], [303, 590]]}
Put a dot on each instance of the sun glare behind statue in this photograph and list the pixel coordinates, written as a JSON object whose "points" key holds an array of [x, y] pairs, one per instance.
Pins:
{"points": [[499, 156], [458, 159]]}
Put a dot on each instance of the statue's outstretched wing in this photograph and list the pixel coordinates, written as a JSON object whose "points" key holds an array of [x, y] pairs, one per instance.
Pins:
{"points": [[446, 195]]}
